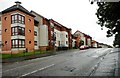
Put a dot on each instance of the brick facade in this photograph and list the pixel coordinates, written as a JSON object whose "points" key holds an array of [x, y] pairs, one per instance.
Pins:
{"points": [[7, 30], [82, 36], [62, 28], [62, 34]]}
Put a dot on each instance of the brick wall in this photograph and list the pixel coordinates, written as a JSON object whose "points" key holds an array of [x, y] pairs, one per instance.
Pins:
{"points": [[6, 31]]}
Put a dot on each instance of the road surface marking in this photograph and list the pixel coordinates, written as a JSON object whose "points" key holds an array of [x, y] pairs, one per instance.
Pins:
{"points": [[111, 51], [37, 70], [18, 67], [26, 65], [80, 51], [95, 56]]}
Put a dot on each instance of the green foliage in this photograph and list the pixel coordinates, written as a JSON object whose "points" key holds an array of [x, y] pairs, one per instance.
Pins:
{"points": [[108, 15], [81, 42], [22, 54], [117, 40]]}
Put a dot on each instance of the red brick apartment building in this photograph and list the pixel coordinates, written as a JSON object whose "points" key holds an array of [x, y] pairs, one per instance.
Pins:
{"points": [[0, 34], [17, 25], [48, 29], [45, 32], [82, 36], [21, 30], [63, 35], [94, 44], [41, 30]]}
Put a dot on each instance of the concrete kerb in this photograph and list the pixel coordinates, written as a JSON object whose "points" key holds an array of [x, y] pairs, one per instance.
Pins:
{"points": [[117, 69]]}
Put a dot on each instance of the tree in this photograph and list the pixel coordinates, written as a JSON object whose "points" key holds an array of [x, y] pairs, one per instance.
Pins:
{"points": [[117, 40], [108, 15], [81, 42]]}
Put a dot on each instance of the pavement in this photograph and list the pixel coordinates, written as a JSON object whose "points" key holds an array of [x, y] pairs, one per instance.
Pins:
{"points": [[109, 65]]}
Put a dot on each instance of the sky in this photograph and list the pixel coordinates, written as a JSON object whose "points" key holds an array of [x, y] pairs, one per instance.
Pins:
{"points": [[74, 14]]}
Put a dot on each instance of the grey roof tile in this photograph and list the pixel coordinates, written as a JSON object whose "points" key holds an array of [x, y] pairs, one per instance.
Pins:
{"points": [[15, 7]]}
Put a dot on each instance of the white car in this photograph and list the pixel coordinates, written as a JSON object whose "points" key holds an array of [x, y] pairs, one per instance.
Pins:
{"points": [[83, 47]]}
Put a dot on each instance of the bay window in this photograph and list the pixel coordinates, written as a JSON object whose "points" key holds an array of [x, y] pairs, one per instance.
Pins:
{"points": [[35, 33], [18, 43], [35, 43], [17, 30], [17, 18]]}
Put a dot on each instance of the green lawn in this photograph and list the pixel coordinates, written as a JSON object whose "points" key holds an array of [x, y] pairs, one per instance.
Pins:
{"points": [[24, 54]]}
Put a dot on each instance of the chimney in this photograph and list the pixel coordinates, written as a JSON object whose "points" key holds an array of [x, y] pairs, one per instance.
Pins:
{"points": [[18, 3]]}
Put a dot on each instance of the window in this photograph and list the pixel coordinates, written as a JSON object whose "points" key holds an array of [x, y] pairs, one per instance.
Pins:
{"points": [[21, 31], [5, 30], [14, 31], [66, 36], [23, 20], [29, 42], [0, 44], [59, 43], [66, 42], [5, 42], [5, 18], [35, 43], [29, 31], [18, 43], [35, 33], [17, 18], [17, 31], [0, 32], [36, 23], [29, 20]]}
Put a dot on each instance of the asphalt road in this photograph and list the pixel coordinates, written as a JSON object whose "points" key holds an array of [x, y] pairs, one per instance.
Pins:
{"points": [[75, 63]]}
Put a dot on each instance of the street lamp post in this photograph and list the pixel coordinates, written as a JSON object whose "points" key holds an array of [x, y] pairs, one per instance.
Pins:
{"points": [[54, 40], [53, 36]]}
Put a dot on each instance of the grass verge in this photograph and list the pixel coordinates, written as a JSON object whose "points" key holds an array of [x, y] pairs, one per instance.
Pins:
{"points": [[22, 54]]}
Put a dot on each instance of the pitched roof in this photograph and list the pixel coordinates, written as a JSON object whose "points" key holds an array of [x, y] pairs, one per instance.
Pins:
{"points": [[36, 13], [16, 7], [60, 25], [82, 33]]}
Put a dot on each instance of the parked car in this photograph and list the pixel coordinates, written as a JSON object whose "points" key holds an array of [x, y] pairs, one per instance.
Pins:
{"points": [[87, 47], [83, 47]]}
